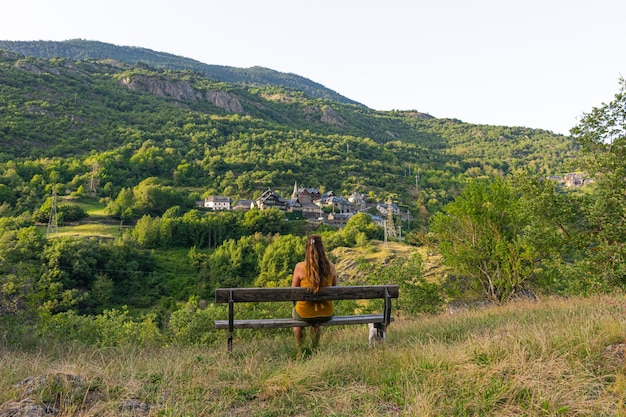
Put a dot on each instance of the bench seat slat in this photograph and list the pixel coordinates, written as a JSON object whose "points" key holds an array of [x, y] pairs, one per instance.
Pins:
{"points": [[289, 322], [222, 295]]}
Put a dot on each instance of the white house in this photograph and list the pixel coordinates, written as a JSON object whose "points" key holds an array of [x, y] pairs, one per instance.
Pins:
{"points": [[218, 202]]}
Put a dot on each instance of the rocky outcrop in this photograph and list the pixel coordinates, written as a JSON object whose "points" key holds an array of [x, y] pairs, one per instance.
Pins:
{"points": [[224, 100], [331, 117], [180, 90], [326, 114], [60, 391], [183, 91], [27, 408], [41, 68]]}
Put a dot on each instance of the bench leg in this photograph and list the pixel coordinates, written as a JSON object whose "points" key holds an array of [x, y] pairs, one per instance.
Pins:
{"points": [[377, 333], [231, 319]]}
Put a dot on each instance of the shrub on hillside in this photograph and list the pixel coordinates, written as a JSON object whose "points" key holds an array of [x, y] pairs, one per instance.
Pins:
{"points": [[191, 325], [417, 295], [111, 328]]}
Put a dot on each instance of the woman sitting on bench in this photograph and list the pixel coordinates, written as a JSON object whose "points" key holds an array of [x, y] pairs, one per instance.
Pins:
{"points": [[315, 272]]}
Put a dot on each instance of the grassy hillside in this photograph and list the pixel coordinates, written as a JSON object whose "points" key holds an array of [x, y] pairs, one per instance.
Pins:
{"points": [[547, 358]]}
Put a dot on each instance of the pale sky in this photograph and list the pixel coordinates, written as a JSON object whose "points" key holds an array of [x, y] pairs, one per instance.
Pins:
{"points": [[533, 63]]}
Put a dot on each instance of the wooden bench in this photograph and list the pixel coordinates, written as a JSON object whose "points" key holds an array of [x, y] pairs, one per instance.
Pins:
{"points": [[255, 295]]}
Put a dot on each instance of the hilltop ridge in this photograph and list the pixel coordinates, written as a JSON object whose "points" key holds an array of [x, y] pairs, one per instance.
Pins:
{"points": [[138, 121], [81, 49]]}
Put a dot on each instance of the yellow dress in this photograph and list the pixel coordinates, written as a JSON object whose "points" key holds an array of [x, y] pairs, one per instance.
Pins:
{"points": [[315, 309]]}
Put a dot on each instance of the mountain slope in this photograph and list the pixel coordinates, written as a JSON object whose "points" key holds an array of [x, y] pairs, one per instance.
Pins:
{"points": [[63, 117], [78, 49]]}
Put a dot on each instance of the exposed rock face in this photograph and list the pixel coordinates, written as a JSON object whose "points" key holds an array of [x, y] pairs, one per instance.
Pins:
{"points": [[326, 115], [180, 90], [183, 91], [331, 117], [224, 100], [41, 69]]}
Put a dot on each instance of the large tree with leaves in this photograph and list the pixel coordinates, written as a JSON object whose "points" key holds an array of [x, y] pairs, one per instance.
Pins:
{"points": [[496, 234], [601, 134]]}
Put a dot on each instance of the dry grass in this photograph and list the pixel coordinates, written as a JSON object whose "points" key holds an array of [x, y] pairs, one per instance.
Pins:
{"points": [[90, 229], [548, 358], [374, 253]]}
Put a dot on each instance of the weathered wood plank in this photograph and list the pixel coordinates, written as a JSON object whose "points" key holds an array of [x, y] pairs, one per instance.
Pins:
{"points": [[289, 322], [223, 295]]}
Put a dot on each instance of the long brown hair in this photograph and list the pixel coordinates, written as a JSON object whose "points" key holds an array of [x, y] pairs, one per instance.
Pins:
{"points": [[317, 266]]}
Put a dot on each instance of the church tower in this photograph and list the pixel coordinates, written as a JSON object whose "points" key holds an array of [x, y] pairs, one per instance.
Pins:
{"points": [[294, 195]]}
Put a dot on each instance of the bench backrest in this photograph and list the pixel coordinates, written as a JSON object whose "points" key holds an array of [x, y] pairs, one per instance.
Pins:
{"points": [[361, 292]]}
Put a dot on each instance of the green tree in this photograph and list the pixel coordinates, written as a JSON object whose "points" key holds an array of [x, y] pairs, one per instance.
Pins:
{"points": [[122, 206], [482, 236], [278, 260], [154, 199], [6, 195], [361, 222], [235, 263], [264, 221], [147, 231], [555, 226], [74, 268], [602, 137], [20, 249]]}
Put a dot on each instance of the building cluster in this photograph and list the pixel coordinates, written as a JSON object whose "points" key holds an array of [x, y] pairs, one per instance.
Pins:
{"points": [[310, 203], [572, 180]]}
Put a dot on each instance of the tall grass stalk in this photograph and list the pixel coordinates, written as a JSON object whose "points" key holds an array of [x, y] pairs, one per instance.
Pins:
{"points": [[548, 358]]}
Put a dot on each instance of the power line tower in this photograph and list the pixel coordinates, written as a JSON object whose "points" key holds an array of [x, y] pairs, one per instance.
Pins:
{"points": [[53, 221], [417, 181], [94, 181], [391, 227]]}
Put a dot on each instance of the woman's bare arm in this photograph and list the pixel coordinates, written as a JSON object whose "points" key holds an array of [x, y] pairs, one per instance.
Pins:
{"points": [[298, 273]]}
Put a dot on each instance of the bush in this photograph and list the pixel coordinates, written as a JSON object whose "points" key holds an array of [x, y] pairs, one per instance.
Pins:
{"points": [[71, 213], [416, 294], [191, 325], [111, 328]]}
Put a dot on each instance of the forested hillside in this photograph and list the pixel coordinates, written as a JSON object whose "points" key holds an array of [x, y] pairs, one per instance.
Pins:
{"points": [[79, 49], [135, 122]]}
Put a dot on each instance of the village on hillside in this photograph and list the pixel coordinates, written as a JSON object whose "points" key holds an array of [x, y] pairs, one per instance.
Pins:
{"points": [[313, 205]]}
